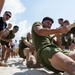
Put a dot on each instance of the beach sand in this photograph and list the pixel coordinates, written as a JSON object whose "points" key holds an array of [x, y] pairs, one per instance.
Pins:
{"points": [[16, 67]]}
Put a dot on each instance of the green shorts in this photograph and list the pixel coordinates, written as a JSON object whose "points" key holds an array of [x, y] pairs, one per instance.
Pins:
{"points": [[48, 52], [21, 54]]}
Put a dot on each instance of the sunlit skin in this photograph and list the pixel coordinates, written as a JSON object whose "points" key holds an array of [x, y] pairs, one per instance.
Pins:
{"points": [[47, 24], [59, 60], [6, 17], [9, 26], [7, 52], [1, 5]]}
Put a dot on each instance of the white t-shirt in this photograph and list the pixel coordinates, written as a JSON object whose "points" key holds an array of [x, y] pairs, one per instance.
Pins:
{"points": [[16, 45]]}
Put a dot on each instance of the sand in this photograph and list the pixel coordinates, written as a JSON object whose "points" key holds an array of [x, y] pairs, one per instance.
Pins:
{"points": [[16, 67]]}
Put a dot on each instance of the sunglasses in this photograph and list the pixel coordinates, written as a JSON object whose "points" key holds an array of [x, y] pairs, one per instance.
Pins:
{"points": [[8, 15], [16, 29]]}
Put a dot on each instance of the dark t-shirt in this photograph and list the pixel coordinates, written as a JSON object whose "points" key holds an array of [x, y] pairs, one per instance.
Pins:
{"points": [[21, 44], [72, 31], [2, 24], [40, 42], [66, 40]]}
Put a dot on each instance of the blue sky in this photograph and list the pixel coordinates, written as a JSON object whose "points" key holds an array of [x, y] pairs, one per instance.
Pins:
{"points": [[26, 12]]}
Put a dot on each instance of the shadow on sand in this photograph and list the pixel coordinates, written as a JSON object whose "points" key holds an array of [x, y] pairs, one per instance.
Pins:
{"points": [[35, 72], [29, 71]]}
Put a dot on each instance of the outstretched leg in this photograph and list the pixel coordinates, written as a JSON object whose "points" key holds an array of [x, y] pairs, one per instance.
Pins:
{"points": [[62, 62]]}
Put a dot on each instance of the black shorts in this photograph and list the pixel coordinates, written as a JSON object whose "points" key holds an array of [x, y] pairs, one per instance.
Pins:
{"points": [[5, 43]]}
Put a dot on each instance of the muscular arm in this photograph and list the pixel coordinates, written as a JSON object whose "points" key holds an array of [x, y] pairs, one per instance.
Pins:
{"points": [[32, 49], [1, 4], [45, 31], [26, 43]]}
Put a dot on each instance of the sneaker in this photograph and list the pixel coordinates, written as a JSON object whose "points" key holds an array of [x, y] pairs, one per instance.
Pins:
{"points": [[3, 64]]}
